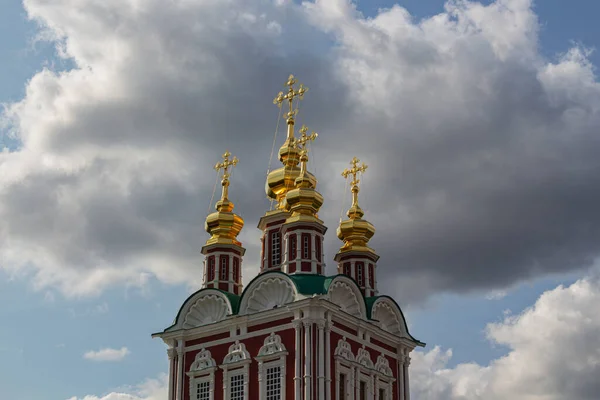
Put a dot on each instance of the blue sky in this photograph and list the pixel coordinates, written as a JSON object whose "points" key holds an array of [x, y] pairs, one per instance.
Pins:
{"points": [[46, 333]]}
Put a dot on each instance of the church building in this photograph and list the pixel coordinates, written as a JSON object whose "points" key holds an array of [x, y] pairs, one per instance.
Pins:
{"points": [[293, 332]]}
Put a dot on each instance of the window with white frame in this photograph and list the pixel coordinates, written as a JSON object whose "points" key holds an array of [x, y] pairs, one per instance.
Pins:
{"points": [[236, 387], [235, 372], [275, 248], [344, 370], [202, 390], [305, 246], [202, 376], [271, 366], [362, 390], [360, 277], [274, 383], [224, 262], [384, 378]]}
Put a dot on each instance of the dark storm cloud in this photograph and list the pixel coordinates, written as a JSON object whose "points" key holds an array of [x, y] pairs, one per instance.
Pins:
{"points": [[482, 155]]}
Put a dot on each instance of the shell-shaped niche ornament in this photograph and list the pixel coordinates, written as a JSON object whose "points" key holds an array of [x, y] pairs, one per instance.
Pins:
{"points": [[206, 310], [341, 293], [388, 318], [270, 293]]}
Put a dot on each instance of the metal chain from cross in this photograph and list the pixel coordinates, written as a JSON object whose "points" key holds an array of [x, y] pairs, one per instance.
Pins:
{"points": [[290, 95]]}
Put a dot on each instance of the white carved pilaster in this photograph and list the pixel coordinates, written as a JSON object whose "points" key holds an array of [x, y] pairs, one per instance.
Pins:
{"points": [[180, 353], [321, 363], [171, 353], [298, 354], [328, 360], [307, 359]]}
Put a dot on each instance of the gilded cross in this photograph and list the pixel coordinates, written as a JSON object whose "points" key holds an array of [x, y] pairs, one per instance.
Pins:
{"points": [[304, 138], [224, 165], [290, 95], [354, 171], [354, 211]]}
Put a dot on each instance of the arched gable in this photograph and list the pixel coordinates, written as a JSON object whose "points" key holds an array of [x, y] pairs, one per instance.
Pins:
{"points": [[344, 292], [389, 316], [204, 307], [267, 291]]}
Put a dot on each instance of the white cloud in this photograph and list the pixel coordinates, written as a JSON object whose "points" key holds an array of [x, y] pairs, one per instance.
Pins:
{"points": [[107, 354], [152, 389], [482, 153], [554, 354]]}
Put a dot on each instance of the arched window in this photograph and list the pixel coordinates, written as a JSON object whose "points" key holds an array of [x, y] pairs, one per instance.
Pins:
{"points": [[235, 372], [371, 276], [360, 274], [211, 269], [202, 376], [305, 246], [236, 269], [223, 269], [293, 249], [318, 247], [271, 368], [275, 248]]}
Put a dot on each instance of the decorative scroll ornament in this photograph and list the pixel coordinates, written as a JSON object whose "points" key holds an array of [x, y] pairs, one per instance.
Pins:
{"points": [[203, 361], [364, 358], [343, 350], [237, 352], [383, 366], [272, 345]]}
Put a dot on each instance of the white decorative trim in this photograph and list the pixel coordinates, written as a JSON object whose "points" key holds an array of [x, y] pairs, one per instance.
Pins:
{"points": [[344, 351], [364, 358], [344, 293], [202, 370], [388, 316], [207, 309], [383, 366], [237, 356], [272, 346], [272, 354], [274, 290]]}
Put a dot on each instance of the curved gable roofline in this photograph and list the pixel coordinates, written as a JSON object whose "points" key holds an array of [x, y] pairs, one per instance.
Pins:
{"points": [[355, 285], [260, 277], [371, 302], [232, 301]]}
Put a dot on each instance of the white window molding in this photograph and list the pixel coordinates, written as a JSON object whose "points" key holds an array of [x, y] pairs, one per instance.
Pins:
{"points": [[383, 378], [202, 371], [344, 364], [236, 363], [271, 355]]}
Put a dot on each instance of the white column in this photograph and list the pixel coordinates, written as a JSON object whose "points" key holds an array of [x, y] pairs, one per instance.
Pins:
{"points": [[321, 363], [180, 373], [328, 360], [298, 371], [406, 386], [230, 274], [298, 249], [307, 360], [171, 353], [400, 366]]}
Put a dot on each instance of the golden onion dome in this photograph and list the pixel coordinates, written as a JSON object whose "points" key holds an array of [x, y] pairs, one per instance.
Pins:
{"points": [[304, 201], [355, 232], [281, 180], [223, 225]]}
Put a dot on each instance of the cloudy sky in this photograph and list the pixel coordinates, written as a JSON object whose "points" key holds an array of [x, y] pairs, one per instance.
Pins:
{"points": [[480, 123]]}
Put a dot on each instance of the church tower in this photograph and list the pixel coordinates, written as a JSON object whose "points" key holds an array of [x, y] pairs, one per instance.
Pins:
{"points": [[355, 258], [223, 252], [292, 333]]}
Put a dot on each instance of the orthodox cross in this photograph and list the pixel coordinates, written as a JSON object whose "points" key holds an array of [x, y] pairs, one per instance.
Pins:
{"points": [[354, 171], [301, 144], [224, 165], [290, 95]]}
